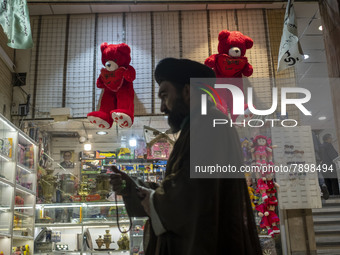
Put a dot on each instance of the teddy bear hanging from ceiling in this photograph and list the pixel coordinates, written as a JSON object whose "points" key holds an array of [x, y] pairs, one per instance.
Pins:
{"points": [[116, 80], [230, 62]]}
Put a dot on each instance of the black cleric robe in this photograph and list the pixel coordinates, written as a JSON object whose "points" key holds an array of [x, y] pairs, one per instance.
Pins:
{"points": [[201, 216]]}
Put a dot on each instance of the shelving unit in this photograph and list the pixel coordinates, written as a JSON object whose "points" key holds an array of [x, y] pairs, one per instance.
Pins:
{"points": [[92, 217], [18, 161]]}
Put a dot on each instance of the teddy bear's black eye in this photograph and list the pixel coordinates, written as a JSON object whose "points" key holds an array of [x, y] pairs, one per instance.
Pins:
{"points": [[111, 65]]}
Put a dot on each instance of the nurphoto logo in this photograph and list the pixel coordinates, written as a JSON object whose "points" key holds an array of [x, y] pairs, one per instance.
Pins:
{"points": [[238, 105]]}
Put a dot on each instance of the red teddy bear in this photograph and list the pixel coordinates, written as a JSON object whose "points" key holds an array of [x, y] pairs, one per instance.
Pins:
{"points": [[231, 63], [116, 104]]}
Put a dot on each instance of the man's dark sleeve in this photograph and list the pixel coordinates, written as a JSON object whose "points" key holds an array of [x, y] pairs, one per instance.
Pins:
{"points": [[132, 202]]}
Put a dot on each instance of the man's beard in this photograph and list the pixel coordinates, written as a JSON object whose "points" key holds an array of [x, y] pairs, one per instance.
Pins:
{"points": [[178, 113]]}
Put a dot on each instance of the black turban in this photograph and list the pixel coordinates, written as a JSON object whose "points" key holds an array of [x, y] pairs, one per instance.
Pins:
{"points": [[179, 71]]}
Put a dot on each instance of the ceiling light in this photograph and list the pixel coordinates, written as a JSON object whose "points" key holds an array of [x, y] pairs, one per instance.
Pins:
{"points": [[322, 118], [320, 28], [87, 147], [101, 133], [306, 56], [132, 142]]}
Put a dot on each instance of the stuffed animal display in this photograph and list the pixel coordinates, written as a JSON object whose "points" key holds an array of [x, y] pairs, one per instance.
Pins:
{"points": [[269, 218], [116, 80], [258, 153], [230, 62], [262, 150]]}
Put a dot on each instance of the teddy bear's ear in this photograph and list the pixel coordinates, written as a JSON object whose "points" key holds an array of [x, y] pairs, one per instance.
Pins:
{"points": [[249, 42], [223, 35], [124, 48], [103, 46]]}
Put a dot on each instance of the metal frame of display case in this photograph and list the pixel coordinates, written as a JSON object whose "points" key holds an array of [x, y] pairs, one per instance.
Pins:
{"points": [[82, 224], [9, 165]]}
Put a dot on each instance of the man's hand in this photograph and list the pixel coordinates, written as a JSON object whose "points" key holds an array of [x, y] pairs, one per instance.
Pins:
{"points": [[119, 180], [144, 195]]}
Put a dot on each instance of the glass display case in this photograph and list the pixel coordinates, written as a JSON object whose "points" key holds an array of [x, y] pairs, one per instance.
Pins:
{"points": [[17, 188], [87, 228]]}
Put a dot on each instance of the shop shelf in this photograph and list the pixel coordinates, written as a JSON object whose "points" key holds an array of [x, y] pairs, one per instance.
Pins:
{"points": [[22, 214], [59, 252], [6, 182], [265, 236], [57, 225], [86, 252], [81, 204], [25, 190], [137, 235], [19, 237], [25, 168], [101, 224], [107, 252], [4, 157], [18, 207], [2, 235]]}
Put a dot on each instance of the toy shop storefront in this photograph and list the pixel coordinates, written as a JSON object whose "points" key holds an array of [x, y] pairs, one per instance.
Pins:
{"points": [[60, 145]]}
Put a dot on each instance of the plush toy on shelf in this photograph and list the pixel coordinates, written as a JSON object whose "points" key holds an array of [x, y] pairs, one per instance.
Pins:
{"points": [[269, 218], [246, 152], [230, 62], [272, 186], [270, 152], [262, 188], [251, 191], [117, 100], [261, 149]]}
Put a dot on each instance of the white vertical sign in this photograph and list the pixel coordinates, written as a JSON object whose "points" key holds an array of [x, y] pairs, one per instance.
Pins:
{"points": [[290, 52]]}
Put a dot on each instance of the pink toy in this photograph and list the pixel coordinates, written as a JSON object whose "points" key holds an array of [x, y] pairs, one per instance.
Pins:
{"points": [[272, 186], [116, 104], [262, 188], [270, 219], [270, 152], [261, 149]]}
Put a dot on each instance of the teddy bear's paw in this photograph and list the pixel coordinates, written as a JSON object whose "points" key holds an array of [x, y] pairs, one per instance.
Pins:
{"points": [[123, 120], [99, 122]]}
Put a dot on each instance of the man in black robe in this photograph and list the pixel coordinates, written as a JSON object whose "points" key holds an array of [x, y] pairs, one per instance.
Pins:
{"points": [[191, 216]]}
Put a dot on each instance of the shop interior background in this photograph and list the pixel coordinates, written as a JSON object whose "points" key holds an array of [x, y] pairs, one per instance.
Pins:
{"points": [[64, 64], [66, 60]]}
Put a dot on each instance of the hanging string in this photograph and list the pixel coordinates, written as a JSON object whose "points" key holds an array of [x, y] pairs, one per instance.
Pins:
{"points": [[117, 218], [309, 23]]}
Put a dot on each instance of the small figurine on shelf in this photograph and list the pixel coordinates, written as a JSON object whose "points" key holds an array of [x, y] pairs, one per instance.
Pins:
{"points": [[48, 183], [100, 242], [270, 152], [245, 150], [107, 239], [25, 249], [271, 220], [262, 187], [251, 191], [20, 201], [272, 186], [251, 152], [124, 242], [261, 149]]}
